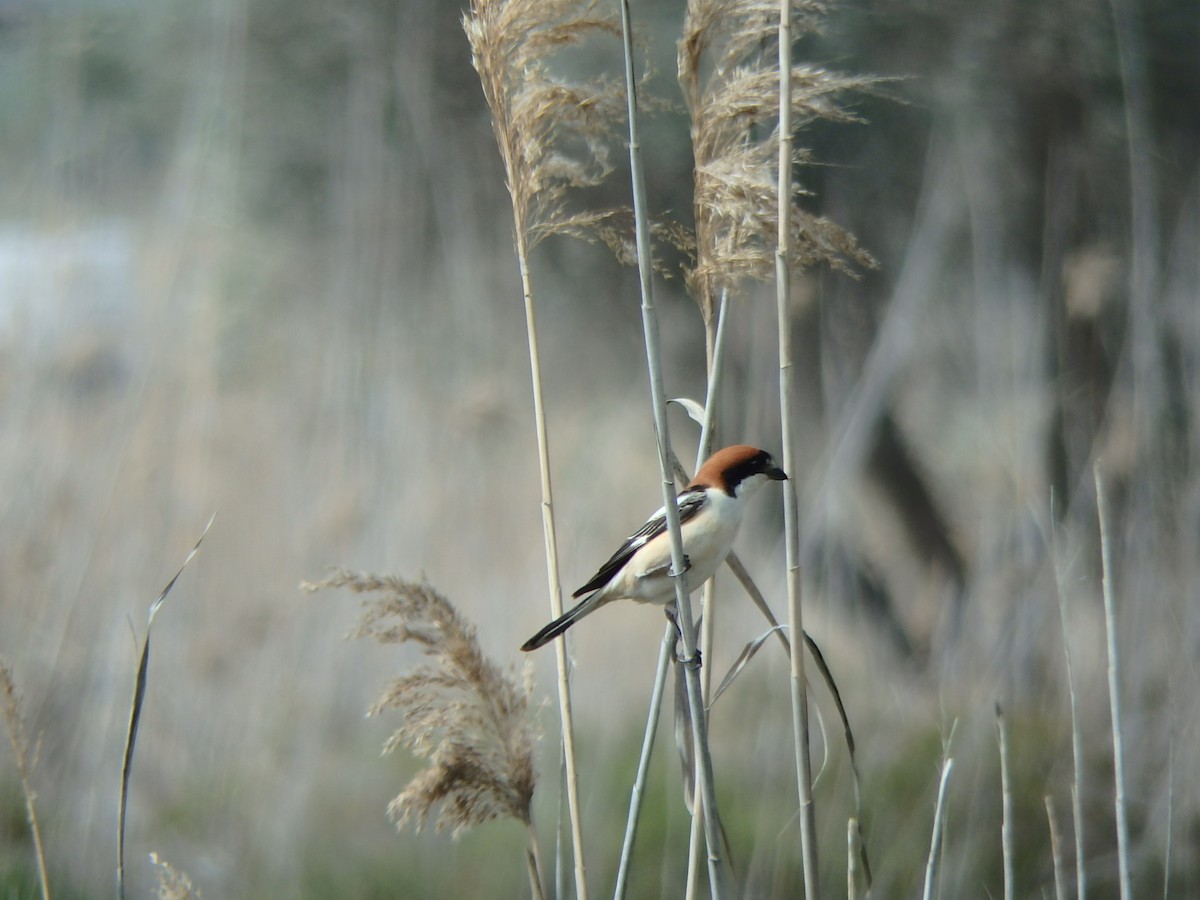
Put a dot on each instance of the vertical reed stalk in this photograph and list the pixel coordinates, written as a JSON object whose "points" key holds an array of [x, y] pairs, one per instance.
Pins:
{"points": [[552, 577], [1076, 734], [799, 683], [935, 841], [714, 347], [1060, 891], [1114, 690], [534, 116], [533, 862], [716, 350], [692, 884], [1145, 316], [853, 852], [1170, 818], [639, 783], [1006, 805], [718, 874], [1077, 817]]}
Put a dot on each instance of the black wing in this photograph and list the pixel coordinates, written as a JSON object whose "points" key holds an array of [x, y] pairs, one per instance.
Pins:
{"points": [[690, 502]]}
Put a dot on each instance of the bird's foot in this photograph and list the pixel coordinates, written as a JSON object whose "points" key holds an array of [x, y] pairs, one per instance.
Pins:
{"points": [[692, 662]]}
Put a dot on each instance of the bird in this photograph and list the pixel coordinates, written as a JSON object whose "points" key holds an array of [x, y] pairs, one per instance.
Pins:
{"points": [[710, 512]]}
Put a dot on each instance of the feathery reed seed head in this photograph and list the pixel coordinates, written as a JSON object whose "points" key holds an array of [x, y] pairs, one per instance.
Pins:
{"points": [[730, 81], [463, 714], [553, 134], [172, 883]]}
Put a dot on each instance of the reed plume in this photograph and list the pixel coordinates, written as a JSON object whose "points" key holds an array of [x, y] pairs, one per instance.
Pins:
{"points": [[553, 134], [731, 87], [173, 884], [462, 713]]}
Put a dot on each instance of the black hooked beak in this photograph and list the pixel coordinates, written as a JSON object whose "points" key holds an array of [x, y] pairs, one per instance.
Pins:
{"points": [[775, 473]]}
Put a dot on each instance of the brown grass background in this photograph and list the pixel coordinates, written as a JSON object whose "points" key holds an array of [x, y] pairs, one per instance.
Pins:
{"points": [[255, 260]]}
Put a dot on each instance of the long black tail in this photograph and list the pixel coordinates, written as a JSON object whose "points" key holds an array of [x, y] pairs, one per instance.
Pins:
{"points": [[561, 624]]}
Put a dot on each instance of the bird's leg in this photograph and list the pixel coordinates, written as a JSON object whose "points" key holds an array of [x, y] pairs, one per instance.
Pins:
{"points": [[692, 661]]}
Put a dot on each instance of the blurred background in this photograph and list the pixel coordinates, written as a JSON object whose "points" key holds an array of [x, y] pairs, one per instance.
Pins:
{"points": [[255, 260]]}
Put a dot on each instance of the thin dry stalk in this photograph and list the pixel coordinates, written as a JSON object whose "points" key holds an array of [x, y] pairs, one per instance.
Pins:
{"points": [[1076, 733], [707, 628], [666, 650], [26, 756], [553, 580], [715, 344], [1060, 889], [718, 870], [666, 653], [799, 680], [462, 713], [853, 852], [740, 572], [743, 107], [1080, 866], [1006, 826], [743, 576], [552, 136], [1114, 690], [1145, 317], [533, 864], [935, 841], [696, 832], [135, 708], [1170, 819]]}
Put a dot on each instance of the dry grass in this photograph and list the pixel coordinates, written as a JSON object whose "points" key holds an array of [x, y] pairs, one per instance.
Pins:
{"points": [[730, 81], [554, 134], [461, 712], [329, 424], [172, 883]]}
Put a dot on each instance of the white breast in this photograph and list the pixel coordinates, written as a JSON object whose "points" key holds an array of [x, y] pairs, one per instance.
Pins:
{"points": [[707, 539]]}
